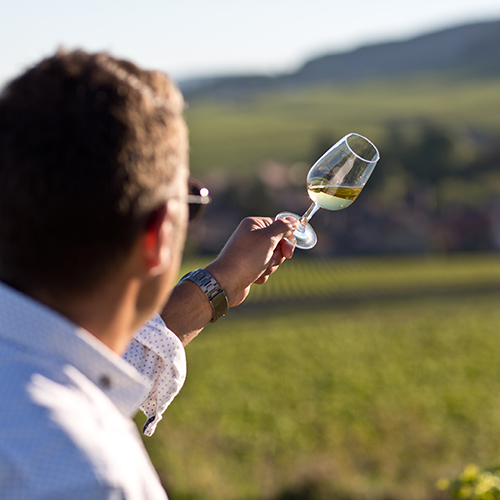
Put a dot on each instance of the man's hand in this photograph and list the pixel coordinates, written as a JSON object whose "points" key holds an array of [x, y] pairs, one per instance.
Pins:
{"points": [[255, 250]]}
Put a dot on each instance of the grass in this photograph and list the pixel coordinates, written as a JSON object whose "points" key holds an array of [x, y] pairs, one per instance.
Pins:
{"points": [[372, 398]]}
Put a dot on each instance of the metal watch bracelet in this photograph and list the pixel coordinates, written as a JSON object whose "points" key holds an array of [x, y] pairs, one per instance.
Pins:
{"points": [[211, 288]]}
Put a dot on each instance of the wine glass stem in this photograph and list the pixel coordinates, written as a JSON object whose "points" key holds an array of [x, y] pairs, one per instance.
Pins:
{"points": [[308, 214]]}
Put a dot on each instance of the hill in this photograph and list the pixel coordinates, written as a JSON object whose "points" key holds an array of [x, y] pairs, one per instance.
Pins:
{"points": [[464, 51]]}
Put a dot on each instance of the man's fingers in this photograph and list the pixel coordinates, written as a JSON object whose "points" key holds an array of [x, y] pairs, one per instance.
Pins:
{"points": [[284, 249], [281, 228], [272, 268], [287, 247], [261, 280]]}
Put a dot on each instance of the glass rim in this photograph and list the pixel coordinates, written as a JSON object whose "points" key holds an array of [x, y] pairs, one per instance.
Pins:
{"points": [[352, 134]]}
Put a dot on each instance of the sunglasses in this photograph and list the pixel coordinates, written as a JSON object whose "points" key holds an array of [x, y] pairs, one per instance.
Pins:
{"points": [[198, 197]]}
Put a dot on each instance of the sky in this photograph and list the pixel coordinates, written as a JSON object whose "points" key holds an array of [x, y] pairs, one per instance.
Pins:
{"points": [[192, 38]]}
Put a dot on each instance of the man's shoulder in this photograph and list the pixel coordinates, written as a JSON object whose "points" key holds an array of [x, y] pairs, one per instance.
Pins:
{"points": [[59, 430]]}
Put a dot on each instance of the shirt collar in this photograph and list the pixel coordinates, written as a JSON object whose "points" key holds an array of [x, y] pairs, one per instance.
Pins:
{"points": [[37, 328]]}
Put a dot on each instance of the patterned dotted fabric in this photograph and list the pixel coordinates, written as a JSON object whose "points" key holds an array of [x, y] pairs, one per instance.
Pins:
{"points": [[158, 353], [66, 402]]}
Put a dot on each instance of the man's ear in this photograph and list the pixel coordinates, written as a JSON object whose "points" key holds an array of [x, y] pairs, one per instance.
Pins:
{"points": [[155, 241]]}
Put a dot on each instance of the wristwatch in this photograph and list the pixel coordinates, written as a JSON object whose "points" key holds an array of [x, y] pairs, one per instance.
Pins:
{"points": [[211, 288]]}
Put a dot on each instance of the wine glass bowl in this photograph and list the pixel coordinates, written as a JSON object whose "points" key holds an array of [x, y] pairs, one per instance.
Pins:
{"points": [[334, 182]]}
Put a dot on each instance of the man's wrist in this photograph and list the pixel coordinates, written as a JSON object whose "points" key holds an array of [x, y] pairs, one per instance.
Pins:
{"points": [[212, 290], [225, 276]]}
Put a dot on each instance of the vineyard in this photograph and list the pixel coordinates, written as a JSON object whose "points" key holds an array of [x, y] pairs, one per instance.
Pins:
{"points": [[343, 379], [331, 280]]}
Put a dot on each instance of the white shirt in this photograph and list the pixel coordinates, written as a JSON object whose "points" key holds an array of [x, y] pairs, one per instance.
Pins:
{"points": [[66, 402]]}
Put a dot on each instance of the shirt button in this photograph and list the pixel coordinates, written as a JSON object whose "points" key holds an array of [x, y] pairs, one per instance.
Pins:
{"points": [[105, 382]]}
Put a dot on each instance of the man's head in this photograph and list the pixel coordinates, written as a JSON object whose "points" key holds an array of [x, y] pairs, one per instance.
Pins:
{"points": [[90, 149]]}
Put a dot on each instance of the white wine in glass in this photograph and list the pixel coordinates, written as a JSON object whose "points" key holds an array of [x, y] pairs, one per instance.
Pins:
{"points": [[334, 182]]}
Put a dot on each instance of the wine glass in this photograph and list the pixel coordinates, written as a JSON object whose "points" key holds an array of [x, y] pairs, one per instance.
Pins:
{"points": [[334, 182]]}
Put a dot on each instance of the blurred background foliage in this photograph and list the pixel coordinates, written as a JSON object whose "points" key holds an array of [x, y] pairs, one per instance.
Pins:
{"points": [[435, 189]]}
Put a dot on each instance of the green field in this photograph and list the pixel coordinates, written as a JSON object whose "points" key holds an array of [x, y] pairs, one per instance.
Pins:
{"points": [[341, 379], [238, 136]]}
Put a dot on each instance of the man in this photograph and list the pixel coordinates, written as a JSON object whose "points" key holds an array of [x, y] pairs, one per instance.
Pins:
{"points": [[93, 216]]}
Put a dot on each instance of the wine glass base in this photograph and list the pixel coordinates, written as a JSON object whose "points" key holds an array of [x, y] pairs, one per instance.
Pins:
{"points": [[304, 235]]}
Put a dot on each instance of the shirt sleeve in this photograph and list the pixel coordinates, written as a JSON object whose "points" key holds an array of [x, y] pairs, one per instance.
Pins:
{"points": [[157, 353]]}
